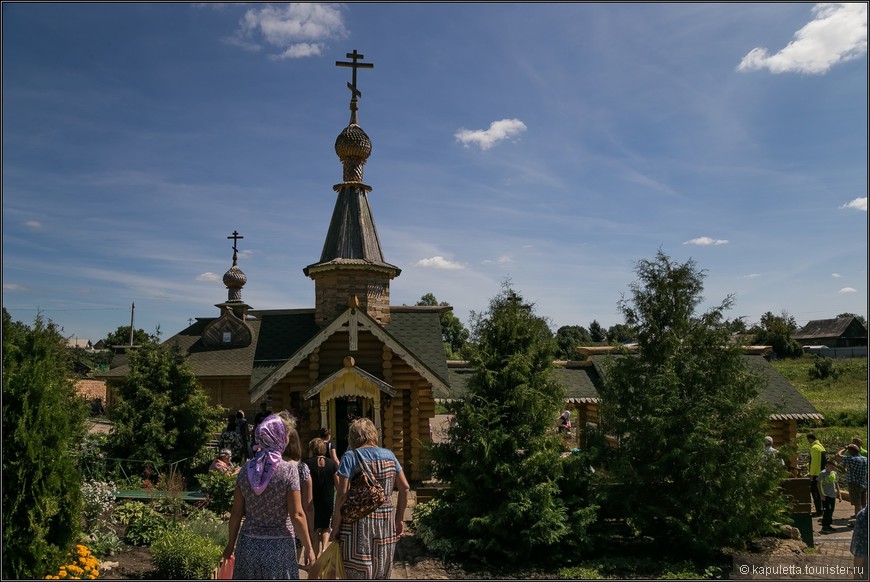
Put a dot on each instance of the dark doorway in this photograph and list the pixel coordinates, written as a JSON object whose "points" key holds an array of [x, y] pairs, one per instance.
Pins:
{"points": [[347, 408]]}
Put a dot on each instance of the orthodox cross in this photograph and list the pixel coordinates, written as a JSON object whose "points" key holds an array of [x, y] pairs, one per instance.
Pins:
{"points": [[235, 236], [354, 56]]}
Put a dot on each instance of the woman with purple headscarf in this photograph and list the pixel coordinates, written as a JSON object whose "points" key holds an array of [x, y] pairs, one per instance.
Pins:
{"points": [[267, 496]]}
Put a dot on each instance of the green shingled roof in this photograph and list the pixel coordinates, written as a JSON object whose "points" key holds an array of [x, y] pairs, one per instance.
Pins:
{"points": [[419, 330], [581, 385]]}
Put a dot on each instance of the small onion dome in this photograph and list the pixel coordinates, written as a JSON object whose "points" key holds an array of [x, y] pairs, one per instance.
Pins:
{"points": [[353, 147], [235, 278]]}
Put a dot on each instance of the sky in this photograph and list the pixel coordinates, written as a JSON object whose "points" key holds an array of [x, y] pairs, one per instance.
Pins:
{"points": [[551, 145]]}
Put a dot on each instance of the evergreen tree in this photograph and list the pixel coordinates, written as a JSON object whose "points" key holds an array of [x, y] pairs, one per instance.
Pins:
{"points": [[502, 455], [689, 471], [43, 420], [162, 414], [596, 332]]}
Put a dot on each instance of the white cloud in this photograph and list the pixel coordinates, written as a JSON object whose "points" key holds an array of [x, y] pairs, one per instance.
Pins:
{"points": [[208, 276], [14, 287], [836, 275], [298, 30], [857, 204], [704, 241], [35, 224], [486, 138], [836, 35], [438, 262], [847, 290], [752, 275]]}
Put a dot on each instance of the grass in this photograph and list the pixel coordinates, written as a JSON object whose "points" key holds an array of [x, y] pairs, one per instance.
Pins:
{"points": [[840, 399]]}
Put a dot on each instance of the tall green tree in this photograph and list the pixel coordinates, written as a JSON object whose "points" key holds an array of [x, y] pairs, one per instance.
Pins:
{"points": [[775, 331], [43, 420], [121, 337], [568, 337], [596, 332], [619, 333], [454, 335], [689, 471], [162, 414], [502, 455]]}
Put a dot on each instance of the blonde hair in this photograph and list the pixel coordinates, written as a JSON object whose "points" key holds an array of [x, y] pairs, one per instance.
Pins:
{"points": [[316, 447], [362, 432]]}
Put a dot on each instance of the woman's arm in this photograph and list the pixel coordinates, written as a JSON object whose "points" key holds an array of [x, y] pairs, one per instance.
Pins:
{"points": [[333, 455], [340, 495], [300, 525], [308, 504], [401, 485], [236, 514]]}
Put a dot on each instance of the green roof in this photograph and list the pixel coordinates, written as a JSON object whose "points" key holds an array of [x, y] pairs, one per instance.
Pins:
{"points": [[581, 385]]}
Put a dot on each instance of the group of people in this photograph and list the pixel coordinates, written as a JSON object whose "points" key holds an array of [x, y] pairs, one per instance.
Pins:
{"points": [[825, 489], [292, 508]]}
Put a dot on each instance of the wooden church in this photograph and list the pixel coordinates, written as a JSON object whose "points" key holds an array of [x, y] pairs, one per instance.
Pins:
{"points": [[352, 355]]}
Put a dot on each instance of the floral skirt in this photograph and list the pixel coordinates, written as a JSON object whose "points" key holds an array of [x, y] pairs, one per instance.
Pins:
{"points": [[265, 559]]}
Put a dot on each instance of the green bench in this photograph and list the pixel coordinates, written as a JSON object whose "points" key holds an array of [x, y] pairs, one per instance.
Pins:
{"points": [[143, 494]]}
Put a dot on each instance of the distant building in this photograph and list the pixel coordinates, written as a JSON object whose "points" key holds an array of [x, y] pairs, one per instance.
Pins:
{"points": [[83, 344], [842, 332]]}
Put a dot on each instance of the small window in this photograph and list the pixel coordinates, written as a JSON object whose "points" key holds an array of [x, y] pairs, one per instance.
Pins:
{"points": [[228, 337]]}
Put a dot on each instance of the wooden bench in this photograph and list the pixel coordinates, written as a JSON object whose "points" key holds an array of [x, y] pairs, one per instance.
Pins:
{"points": [[144, 494]]}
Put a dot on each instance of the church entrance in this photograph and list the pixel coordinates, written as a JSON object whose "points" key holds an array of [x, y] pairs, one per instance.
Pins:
{"points": [[346, 409]]}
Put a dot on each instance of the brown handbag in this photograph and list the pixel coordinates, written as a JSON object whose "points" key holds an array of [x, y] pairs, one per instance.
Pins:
{"points": [[364, 495]]}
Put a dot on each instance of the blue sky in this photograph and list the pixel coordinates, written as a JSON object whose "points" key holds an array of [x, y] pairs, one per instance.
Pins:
{"points": [[552, 144]]}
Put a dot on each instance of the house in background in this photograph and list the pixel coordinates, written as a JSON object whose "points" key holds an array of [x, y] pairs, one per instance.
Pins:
{"points": [[841, 332], [582, 378]]}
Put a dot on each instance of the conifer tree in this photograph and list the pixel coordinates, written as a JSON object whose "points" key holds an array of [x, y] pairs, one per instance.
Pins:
{"points": [[162, 415], [689, 472], [43, 420], [502, 456]]}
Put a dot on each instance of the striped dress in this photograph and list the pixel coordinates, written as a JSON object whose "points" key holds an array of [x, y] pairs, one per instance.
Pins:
{"points": [[367, 546]]}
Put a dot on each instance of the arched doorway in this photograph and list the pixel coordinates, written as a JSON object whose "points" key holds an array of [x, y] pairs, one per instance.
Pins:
{"points": [[350, 393]]}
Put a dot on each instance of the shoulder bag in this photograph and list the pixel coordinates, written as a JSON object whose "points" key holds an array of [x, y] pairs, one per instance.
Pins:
{"points": [[364, 495]]}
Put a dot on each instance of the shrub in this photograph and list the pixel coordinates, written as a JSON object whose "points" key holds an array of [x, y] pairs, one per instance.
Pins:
{"points": [[99, 502], [180, 554], [103, 543], [823, 368], [206, 524], [144, 524], [92, 458], [43, 421], [220, 489]]}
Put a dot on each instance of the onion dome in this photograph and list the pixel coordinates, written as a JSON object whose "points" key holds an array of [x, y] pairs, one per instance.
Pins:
{"points": [[235, 279], [353, 148]]}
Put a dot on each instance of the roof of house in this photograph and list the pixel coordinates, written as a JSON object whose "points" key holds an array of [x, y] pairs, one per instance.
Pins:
{"points": [[278, 335], [581, 382], [826, 328], [91, 389]]}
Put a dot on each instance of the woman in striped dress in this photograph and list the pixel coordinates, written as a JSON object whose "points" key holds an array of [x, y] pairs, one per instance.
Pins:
{"points": [[367, 545]]}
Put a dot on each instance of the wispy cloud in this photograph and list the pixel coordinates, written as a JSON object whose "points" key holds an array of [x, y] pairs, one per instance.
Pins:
{"points": [[298, 30], [847, 290], [837, 34], [486, 138], [208, 276], [857, 204], [438, 262], [36, 225], [752, 275], [704, 241], [14, 287], [836, 275]]}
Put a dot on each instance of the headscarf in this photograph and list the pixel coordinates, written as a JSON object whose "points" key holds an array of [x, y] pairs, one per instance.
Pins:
{"points": [[272, 438]]}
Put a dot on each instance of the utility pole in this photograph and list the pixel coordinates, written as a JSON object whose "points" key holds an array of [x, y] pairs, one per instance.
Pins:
{"points": [[132, 309]]}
